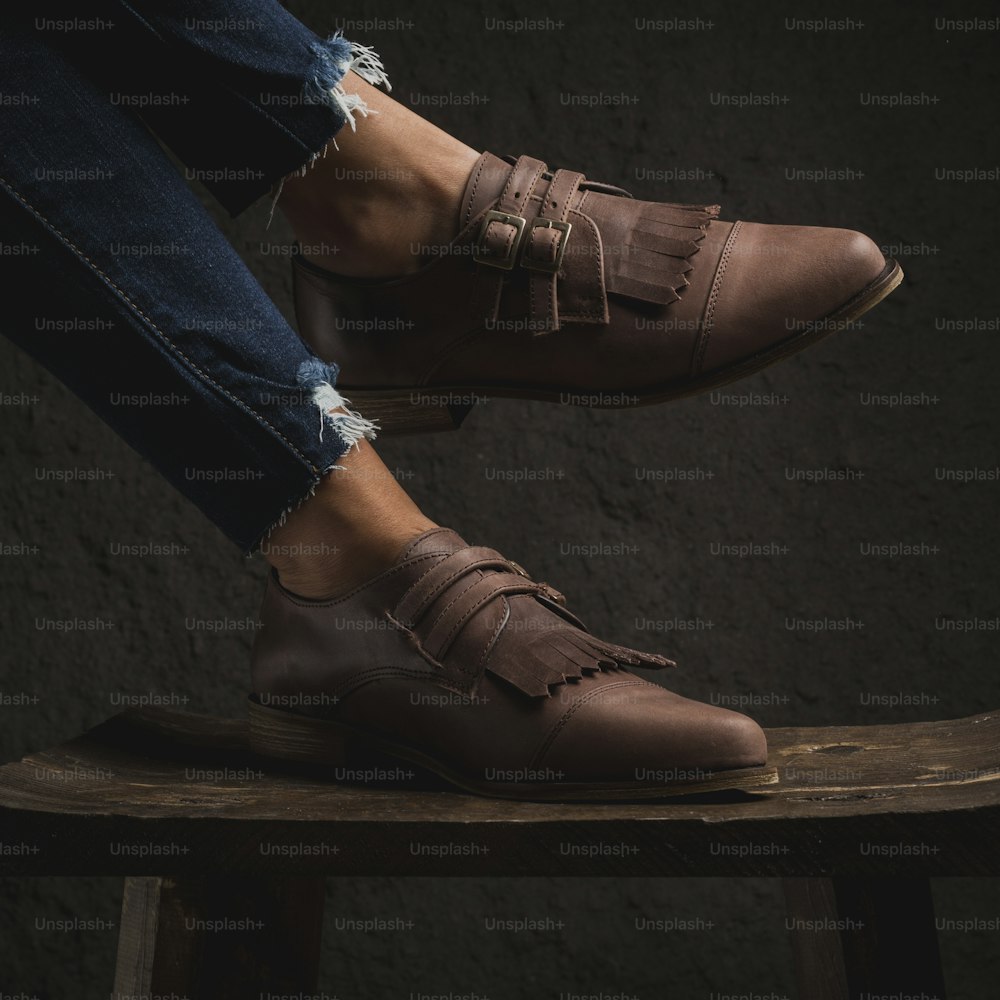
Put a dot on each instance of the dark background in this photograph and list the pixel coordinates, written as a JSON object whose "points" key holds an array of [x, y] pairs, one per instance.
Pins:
{"points": [[943, 232]]}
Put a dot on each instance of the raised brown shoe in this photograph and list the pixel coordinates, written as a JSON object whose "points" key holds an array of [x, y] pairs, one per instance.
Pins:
{"points": [[454, 660], [559, 288]]}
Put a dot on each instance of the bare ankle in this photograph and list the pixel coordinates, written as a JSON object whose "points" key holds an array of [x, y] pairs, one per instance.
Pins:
{"points": [[352, 528], [385, 198]]}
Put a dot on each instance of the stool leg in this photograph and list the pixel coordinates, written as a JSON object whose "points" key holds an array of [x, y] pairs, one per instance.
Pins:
{"points": [[137, 936], [219, 939], [820, 973], [897, 951], [852, 936]]}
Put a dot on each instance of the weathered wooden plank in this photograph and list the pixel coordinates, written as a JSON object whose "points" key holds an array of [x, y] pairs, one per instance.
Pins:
{"points": [[916, 756], [172, 793]]}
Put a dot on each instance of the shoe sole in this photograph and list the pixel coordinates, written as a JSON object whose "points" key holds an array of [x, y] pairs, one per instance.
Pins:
{"points": [[330, 746], [396, 411]]}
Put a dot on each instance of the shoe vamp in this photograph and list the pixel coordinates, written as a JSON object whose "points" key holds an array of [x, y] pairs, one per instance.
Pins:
{"points": [[644, 346]]}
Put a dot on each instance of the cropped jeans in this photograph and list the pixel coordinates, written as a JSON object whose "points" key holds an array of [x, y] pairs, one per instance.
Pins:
{"points": [[117, 281]]}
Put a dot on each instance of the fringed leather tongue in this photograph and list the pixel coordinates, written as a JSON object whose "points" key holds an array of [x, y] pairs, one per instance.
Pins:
{"points": [[574, 241], [471, 608], [656, 251], [561, 655]]}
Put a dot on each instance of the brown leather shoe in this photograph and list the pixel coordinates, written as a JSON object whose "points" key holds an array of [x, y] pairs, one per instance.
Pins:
{"points": [[456, 661], [563, 289]]}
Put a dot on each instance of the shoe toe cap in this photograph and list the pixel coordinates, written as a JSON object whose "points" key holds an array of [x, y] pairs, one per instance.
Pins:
{"points": [[638, 733], [773, 280]]}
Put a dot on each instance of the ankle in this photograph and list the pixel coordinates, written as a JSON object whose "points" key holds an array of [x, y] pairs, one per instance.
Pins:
{"points": [[385, 199], [330, 569], [351, 529], [377, 230]]}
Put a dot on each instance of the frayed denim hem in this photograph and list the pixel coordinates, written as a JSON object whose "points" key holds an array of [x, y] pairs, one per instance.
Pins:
{"points": [[318, 378], [332, 60], [334, 409]]}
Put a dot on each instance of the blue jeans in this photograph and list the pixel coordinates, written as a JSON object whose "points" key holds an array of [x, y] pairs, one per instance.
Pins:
{"points": [[117, 280]]}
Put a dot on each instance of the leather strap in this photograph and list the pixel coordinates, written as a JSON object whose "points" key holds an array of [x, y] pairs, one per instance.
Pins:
{"points": [[498, 237], [520, 185], [457, 583], [542, 246], [415, 602], [453, 618], [577, 292]]}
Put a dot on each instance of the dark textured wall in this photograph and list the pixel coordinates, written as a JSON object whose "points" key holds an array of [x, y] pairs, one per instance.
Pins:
{"points": [[935, 339]]}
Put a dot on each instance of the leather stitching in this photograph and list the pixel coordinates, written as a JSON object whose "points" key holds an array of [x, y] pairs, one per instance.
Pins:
{"points": [[450, 579], [457, 597], [546, 287], [547, 742], [417, 645], [475, 188], [298, 602], [525, 586], [348, 686], [598, 275], [530, 180], [533, 308], [706, 326], [171, 346], [488, 648]]}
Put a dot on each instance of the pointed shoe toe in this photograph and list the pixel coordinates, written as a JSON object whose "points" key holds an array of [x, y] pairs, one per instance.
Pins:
{"points": [[776, 284]]}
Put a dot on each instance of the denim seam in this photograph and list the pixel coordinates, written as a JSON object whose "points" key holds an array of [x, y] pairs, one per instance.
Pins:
{"points": [[163, 337]]}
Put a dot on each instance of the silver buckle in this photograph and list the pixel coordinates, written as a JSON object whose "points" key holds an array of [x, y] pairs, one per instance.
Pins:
{"points": [[549, 266], [505, 263]]}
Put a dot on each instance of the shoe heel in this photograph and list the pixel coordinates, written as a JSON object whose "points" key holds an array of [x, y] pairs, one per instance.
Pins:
{"points": [[408, 411], [286, 736]]}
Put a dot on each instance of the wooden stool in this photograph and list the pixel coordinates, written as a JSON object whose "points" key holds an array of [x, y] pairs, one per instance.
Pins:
{"points": [[201, 829]]}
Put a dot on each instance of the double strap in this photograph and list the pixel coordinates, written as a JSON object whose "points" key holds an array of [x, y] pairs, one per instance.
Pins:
{"points": [[522, 232], [502, 229], [457, 579], [415, 602]]}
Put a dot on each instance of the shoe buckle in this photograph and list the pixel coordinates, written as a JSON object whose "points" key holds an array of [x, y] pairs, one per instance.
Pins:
{"points": [[549, 266], [548, 591], [507, 261], [518, 568]]}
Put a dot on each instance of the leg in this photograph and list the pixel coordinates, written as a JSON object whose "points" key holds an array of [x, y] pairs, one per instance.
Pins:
{"points": [[246, 107], [444, 654], [239, 404], [387, 200], [648, 301], [351, 528]]}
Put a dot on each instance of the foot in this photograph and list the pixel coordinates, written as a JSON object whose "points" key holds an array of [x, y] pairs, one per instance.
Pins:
{"points": [[561, 289], [454, 660], [386, 200], [351, 528]]}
